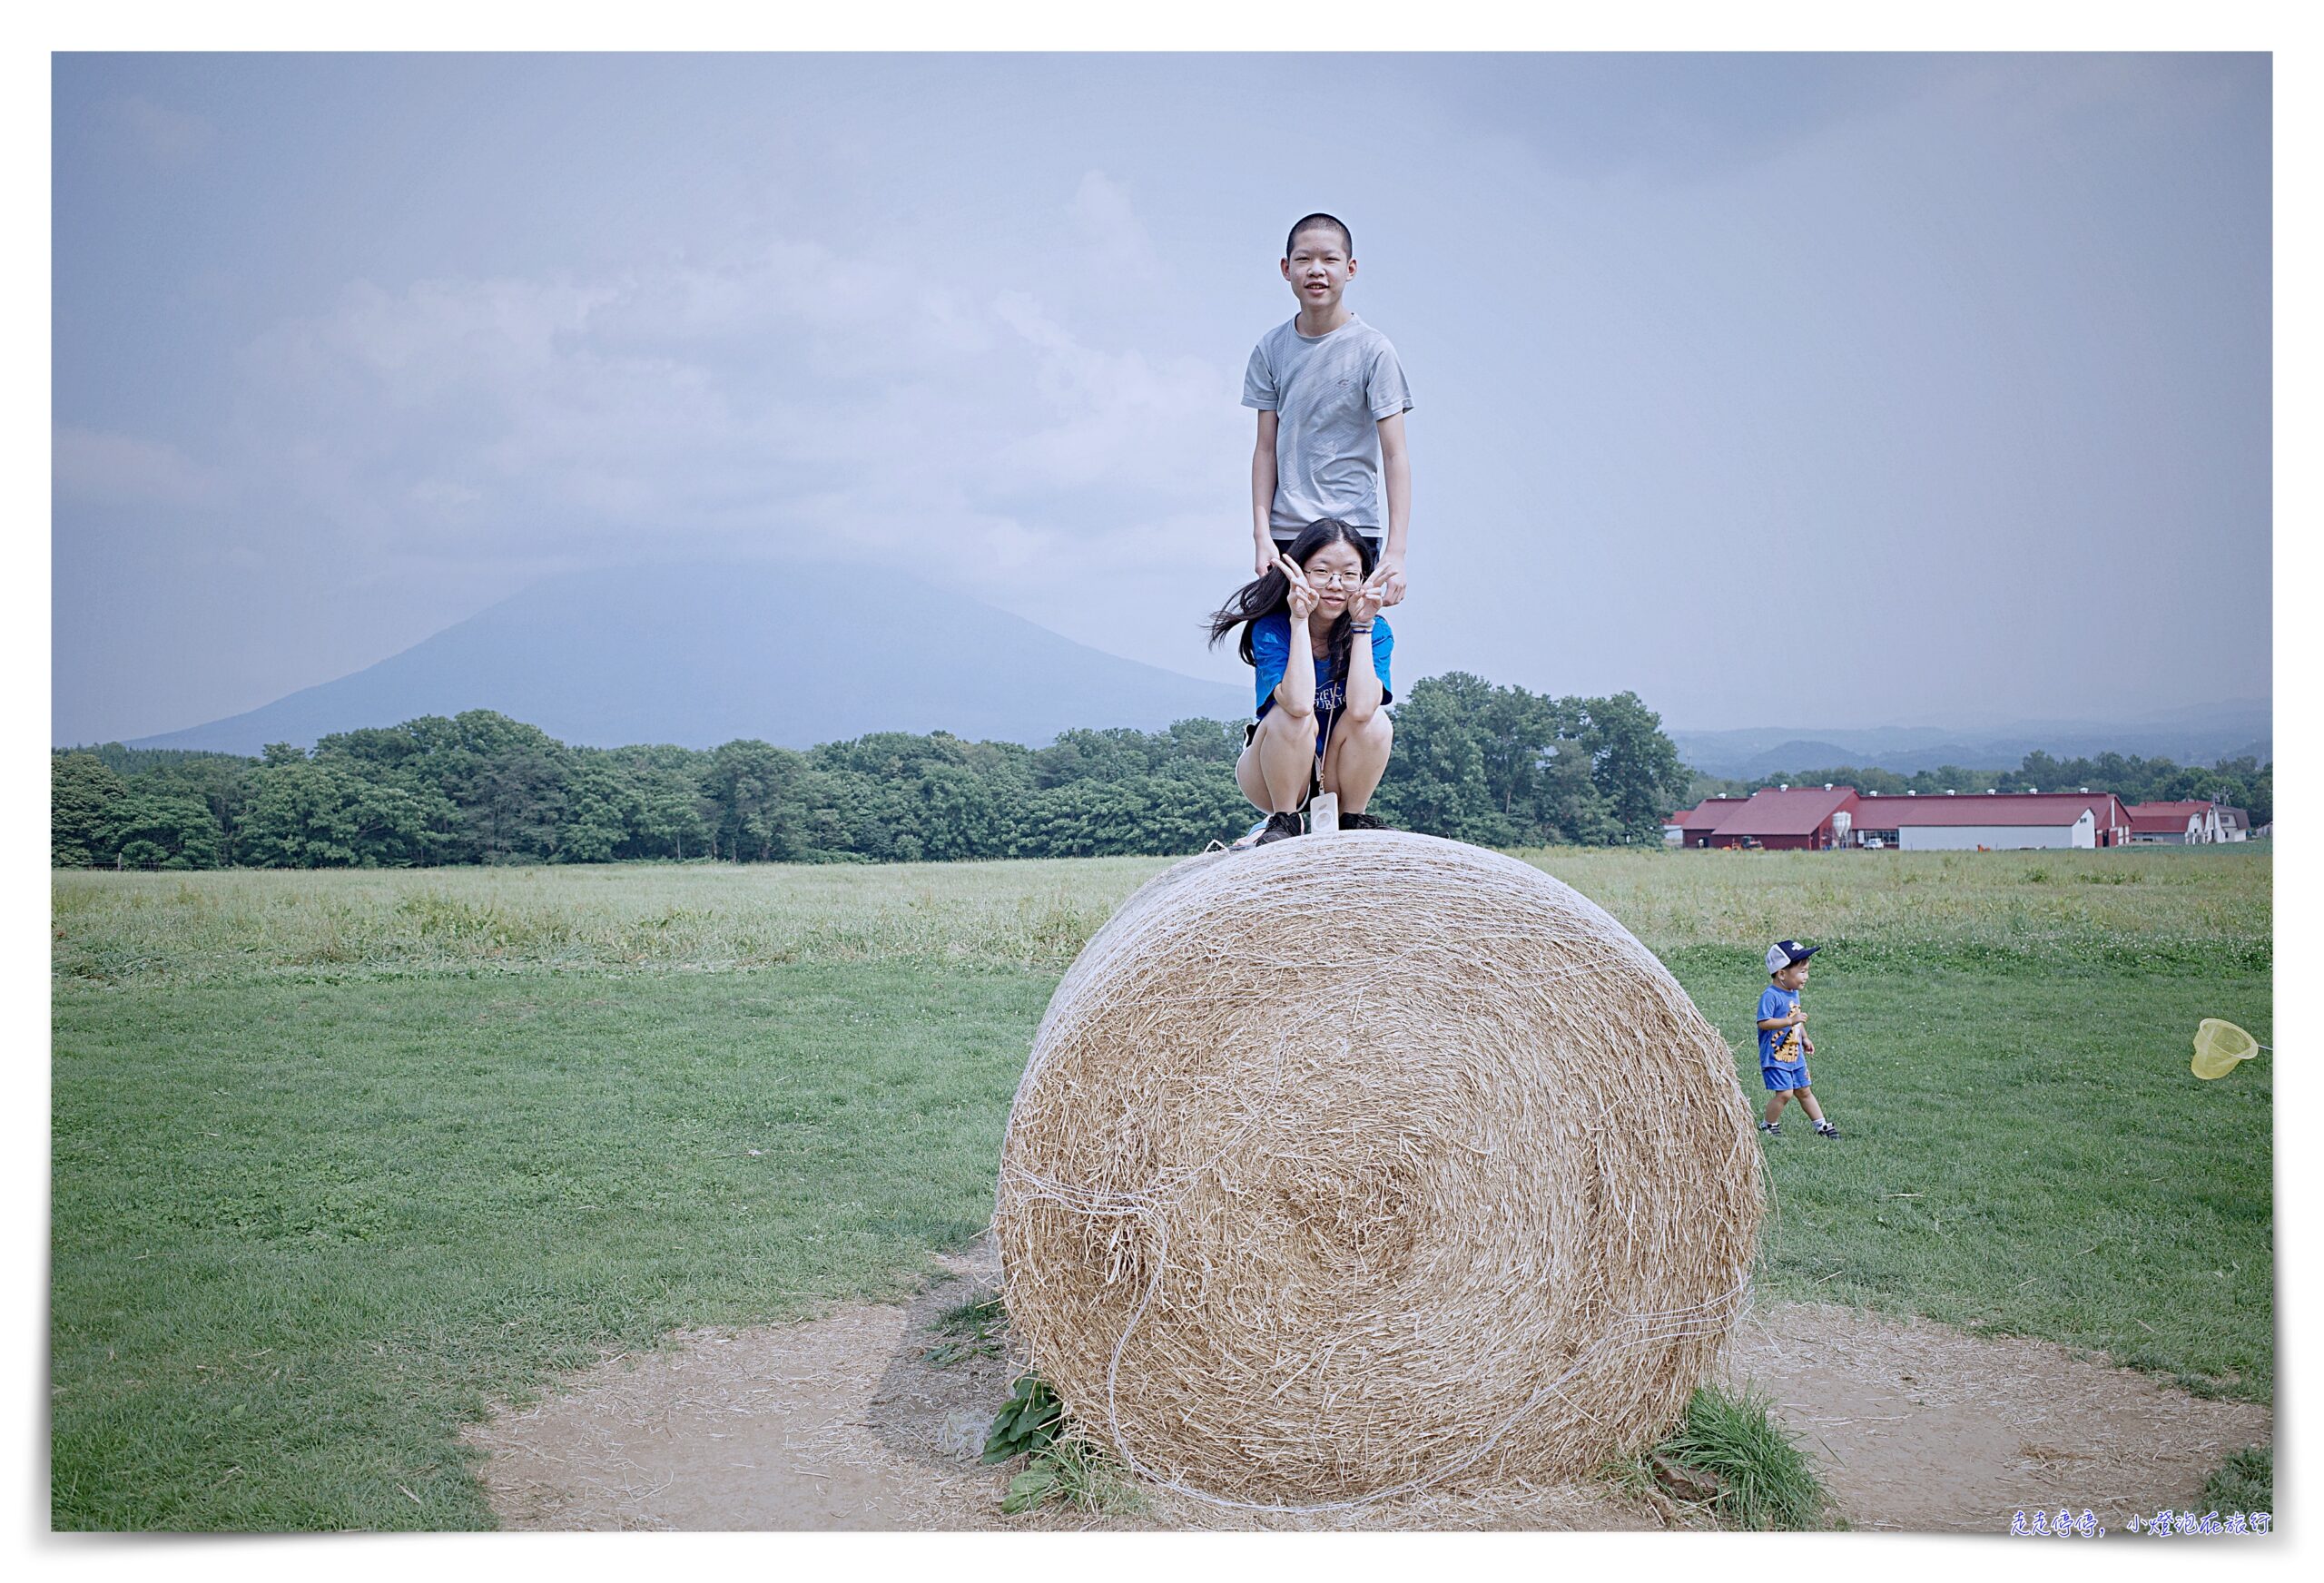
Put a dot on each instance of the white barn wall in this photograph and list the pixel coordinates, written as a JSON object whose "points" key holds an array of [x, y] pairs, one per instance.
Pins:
{"points": [[1954, 838]]}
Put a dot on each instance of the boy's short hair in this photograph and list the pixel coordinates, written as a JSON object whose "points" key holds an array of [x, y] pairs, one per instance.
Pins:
{"points": [[1317, 222]]}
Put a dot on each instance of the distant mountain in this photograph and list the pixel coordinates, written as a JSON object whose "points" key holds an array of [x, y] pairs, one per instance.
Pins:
{"points": [[2201, 734], [1791, 755], [703, 654]]}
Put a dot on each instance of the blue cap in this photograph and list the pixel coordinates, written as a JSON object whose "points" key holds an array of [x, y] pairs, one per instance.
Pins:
{"points": [[1784, 953]]}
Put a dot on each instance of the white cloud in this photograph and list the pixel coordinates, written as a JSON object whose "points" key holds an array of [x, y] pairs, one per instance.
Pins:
{"points": [[93, 468], [1118, 417], [788, 394], [1111, 229]]}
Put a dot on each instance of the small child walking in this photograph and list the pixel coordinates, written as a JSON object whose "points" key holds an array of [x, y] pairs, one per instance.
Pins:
{"points": [[1784, 1044]]}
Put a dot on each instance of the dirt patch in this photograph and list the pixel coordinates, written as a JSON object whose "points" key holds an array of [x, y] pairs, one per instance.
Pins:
{"points": [[1919, 1426], [840, 1422], [845, 1422]]}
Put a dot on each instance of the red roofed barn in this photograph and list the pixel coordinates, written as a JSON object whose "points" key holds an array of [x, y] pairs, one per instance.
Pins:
{"points": [[1995, 820], [1696, 823], [1794, 818], [2188, 824]]}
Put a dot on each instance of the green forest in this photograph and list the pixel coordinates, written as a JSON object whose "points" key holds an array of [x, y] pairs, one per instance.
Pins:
{"points": [[1498, 766]]}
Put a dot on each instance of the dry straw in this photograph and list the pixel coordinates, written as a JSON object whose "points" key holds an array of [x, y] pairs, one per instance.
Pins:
{"points": [[1351, 1163]]}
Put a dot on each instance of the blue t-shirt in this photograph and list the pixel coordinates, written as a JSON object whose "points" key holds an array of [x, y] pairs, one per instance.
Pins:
{"points": [[1270, 655], [1774, 1002]]}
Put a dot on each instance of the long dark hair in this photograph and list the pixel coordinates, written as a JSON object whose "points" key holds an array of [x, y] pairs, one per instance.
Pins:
{"points": [[1271, 595]]}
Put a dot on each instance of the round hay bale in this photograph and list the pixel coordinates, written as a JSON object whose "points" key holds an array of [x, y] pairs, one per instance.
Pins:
{"points": [[1350, 1162]]}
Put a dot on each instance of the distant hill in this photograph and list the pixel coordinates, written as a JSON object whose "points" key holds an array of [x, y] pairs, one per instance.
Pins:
{"points": [[2203, 735], [703, 654]]}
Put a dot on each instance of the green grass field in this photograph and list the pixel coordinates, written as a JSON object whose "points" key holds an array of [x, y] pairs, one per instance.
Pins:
{"points": [[342, 1159]]}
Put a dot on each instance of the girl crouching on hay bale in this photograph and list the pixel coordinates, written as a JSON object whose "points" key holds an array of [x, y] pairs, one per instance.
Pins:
{"points": [[1311, 632]]}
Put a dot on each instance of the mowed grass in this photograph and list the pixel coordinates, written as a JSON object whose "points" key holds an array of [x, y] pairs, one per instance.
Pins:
{"points": [[302, 1232], [342, 1159], [2026, 1152]]}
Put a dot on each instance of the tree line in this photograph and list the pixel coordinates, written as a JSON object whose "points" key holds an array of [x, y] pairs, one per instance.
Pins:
{"points": [[1495, 765], [2242, 783]]}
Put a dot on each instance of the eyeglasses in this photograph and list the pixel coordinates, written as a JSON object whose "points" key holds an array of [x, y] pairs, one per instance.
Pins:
{"points": [[1336, 579]]}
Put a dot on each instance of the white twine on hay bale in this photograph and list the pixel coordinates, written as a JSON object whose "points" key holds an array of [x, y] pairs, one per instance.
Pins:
{"points": [[1351, 1163]]}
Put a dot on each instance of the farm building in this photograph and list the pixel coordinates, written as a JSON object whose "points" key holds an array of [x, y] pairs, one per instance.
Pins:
{"points": [[2174, 823], [1696, 823], [1786, 818], [2234, 823], [1996, 819]]}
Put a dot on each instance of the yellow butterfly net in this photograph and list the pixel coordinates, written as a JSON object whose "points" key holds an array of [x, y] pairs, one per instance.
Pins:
{"points": [[2221, 1046]]}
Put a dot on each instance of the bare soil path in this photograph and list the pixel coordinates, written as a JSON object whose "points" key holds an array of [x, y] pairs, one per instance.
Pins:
{"points": [[839, 1422], [1920, 1426], [845, 1422]]}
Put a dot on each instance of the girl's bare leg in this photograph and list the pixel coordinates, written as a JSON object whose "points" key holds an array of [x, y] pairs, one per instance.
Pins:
{"points": [[1274, 770], [1356, 759]]}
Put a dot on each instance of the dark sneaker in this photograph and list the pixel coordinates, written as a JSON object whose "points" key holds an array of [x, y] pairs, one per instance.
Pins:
{"points": [[1772, 1128], [1826, 1129], [1360, 822], [1280, 827]]}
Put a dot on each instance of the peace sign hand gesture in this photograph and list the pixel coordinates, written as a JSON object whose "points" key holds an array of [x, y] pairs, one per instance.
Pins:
{"points": [[1303, 595], [1369, 598]]}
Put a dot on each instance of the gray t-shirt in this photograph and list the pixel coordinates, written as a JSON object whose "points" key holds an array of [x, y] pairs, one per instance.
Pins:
{"points": [[1329, 393]]}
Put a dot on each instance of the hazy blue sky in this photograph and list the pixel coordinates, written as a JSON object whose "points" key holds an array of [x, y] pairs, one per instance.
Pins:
{"points": [[1816, 390]]}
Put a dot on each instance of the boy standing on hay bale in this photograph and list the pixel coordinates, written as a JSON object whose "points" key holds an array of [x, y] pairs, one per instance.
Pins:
{"points": [[1784, 1044], [1332, 399]]}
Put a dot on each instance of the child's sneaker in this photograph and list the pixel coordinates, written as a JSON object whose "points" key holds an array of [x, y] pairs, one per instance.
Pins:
{"points": [[1772, 1128], [1826, 1129]]}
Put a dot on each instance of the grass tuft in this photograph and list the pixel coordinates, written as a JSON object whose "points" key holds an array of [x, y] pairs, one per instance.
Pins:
{"points": [[2245, 1481], [1763, 1479], [1061, 1464], [1083, 1475], [975, 1326]]}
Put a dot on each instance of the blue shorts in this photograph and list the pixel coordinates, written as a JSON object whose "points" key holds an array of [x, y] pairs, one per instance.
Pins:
{"points": [[1780, 1076]]}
